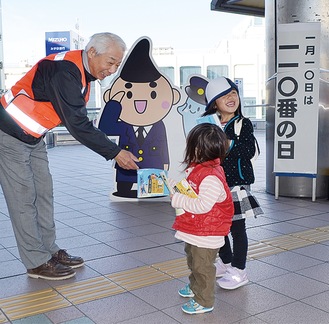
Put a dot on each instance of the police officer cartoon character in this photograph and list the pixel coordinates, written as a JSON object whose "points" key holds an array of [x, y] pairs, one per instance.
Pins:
{"points": [[136, 104], [195, 103]]}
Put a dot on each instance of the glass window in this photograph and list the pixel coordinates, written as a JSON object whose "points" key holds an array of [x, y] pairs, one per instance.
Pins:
{"points": [[249, 108], [92, 95], [186, 71], [169, 71], [258, 21], [247, 72], [215, 71]]}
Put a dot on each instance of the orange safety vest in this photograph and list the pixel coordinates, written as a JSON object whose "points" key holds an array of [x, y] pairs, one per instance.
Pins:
{"points": [[38, 117]]}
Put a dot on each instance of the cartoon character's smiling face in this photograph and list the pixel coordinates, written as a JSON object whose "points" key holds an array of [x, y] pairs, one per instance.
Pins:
{"points": [[195, 104], [190, 111], [145, 103]]}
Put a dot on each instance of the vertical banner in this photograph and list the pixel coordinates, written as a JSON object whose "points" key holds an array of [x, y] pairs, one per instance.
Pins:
{"points": [[297, 99]]}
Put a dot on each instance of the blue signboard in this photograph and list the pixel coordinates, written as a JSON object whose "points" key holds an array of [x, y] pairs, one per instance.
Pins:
{"points": [[57, 42]]}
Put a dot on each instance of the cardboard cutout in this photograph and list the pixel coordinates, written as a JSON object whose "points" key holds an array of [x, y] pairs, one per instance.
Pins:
{"points": [[136, 104], [195, 103]]}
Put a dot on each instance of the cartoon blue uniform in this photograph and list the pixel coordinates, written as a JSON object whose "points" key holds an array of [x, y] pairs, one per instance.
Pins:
{"points": [[152, 153]]}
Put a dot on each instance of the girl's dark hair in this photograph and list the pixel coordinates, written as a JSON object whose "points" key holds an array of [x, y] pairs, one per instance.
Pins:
{"points": [[205, 142]]}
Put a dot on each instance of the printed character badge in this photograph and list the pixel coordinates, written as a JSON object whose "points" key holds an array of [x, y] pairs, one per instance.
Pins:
{"points": [[136, 103]]}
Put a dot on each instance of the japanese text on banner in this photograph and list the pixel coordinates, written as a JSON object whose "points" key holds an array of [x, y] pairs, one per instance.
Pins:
{"points": [[297, 98]]}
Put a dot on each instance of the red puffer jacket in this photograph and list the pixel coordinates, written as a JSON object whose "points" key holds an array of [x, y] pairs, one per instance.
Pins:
{"points": [[218, 220]]}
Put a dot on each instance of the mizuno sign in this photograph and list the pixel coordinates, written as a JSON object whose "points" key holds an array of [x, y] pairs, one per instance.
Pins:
{"points": [[57, 39]]}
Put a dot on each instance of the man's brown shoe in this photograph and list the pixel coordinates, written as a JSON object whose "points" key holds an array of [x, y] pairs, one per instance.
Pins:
{"points": [[68, 260], [51, 270]]}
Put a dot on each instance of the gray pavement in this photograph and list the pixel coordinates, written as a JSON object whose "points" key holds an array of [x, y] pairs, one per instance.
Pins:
{"points": [[134, 265]]}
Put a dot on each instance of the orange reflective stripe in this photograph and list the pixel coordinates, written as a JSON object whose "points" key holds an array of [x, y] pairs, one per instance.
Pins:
{"points": [[35, 117]]}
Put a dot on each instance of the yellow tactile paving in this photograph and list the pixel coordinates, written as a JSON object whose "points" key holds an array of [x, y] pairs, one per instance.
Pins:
{"points": [[91, 289], [175, 268], [260, 250], [316, 235], [116, 283], [2, 318], [32, 304], [287, 242], [139, 277], [323, 228]]}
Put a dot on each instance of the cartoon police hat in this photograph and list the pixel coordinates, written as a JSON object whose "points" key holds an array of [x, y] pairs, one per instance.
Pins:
{"points": [[139, 66], [217, 88], [196, 89]]}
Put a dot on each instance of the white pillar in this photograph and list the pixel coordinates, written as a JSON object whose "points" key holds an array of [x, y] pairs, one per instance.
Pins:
{"points": [[284, 12], [2, 73]]}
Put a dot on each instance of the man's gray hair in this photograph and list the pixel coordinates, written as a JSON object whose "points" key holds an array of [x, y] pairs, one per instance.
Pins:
{"points": [[102, 41]]}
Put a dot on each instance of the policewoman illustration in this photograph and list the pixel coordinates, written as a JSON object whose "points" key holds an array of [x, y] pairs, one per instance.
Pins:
{"points": [[195, 103], [136, 104]]}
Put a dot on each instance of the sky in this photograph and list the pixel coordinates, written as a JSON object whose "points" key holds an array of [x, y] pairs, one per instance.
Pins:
{"points": [[181, 24]]}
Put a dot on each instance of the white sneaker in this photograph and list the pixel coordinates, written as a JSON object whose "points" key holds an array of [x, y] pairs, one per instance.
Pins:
{"points": [[221, 268], [234, 278]]}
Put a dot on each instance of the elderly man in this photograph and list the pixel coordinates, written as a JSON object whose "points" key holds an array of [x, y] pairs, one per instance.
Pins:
{"points": [[54, 91]]}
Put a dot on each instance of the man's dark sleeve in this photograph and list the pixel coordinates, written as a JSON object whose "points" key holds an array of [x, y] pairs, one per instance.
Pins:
{"points": [[64, 92]]}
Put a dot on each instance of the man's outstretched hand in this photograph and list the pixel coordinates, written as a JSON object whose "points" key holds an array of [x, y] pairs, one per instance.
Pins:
{"points": [[126, 160]]}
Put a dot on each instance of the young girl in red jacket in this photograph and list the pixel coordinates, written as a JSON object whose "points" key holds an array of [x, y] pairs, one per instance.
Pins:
{"points": [[206, 220]]}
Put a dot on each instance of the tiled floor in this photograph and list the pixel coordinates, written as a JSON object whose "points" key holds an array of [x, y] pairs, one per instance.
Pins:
{"points": [[134, 265]]}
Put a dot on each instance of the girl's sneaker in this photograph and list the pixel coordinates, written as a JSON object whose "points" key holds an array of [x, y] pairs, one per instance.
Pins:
{"points": [[221, 268], [186, 291], [234, 278], [192, 307]]}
